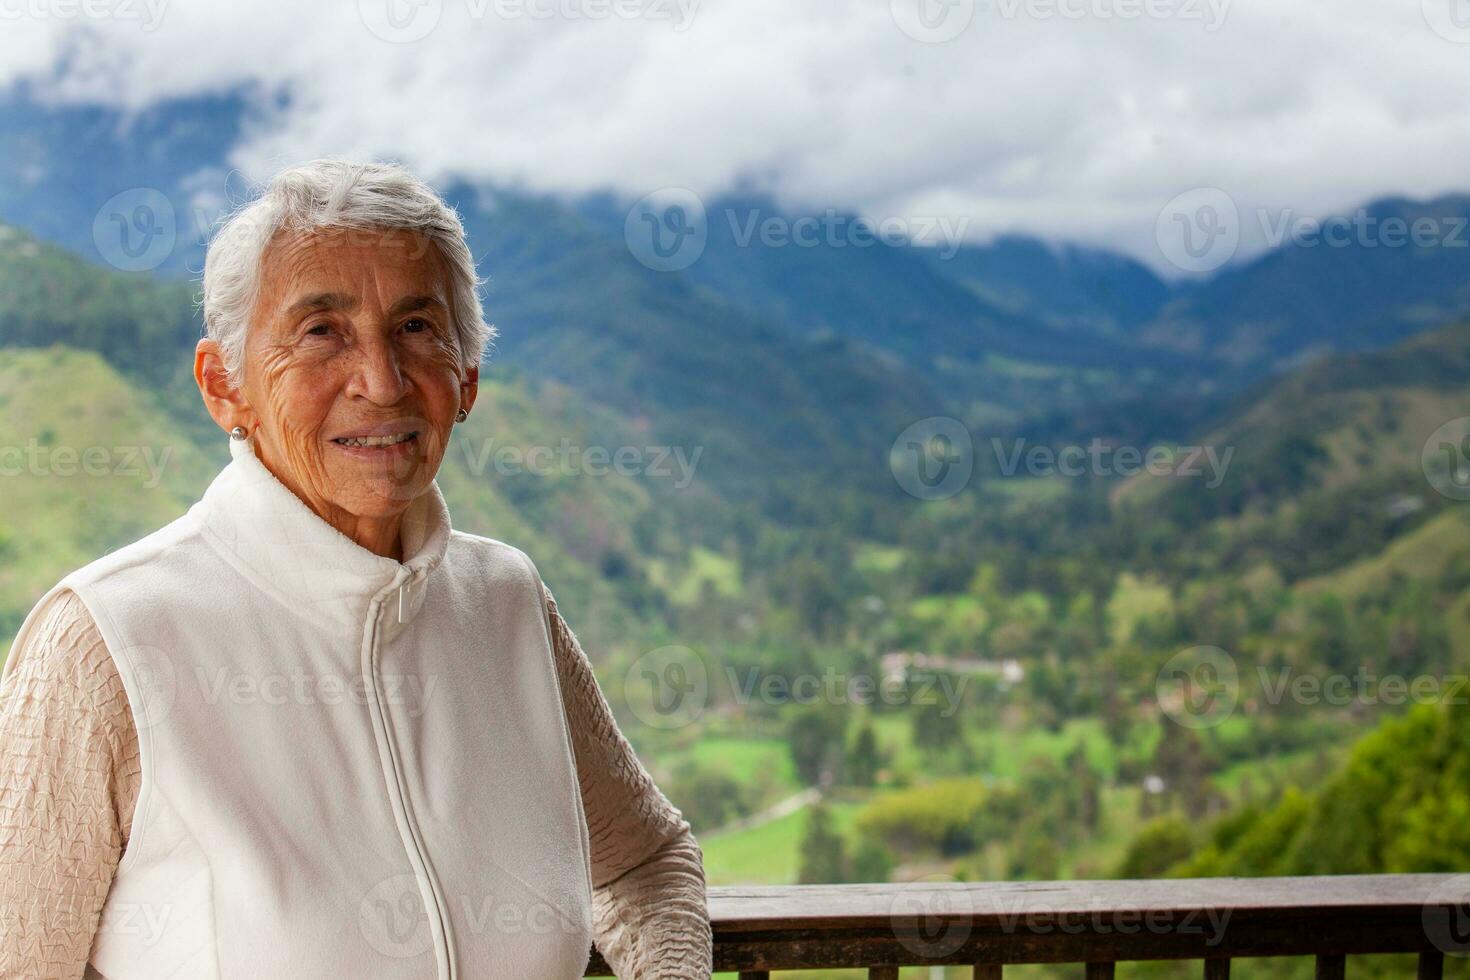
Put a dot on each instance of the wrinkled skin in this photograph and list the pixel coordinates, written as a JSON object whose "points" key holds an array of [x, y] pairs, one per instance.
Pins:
{"points": [[381, 349]]}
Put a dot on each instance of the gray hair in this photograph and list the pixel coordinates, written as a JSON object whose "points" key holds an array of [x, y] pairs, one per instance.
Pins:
{"points": [[330, 194]]}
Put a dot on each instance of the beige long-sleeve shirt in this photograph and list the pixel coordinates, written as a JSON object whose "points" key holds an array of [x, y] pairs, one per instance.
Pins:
{"points": [[70, 774]]}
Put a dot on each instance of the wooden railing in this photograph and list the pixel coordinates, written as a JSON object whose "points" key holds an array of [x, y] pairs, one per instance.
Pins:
{"points": [[1096, 923]]}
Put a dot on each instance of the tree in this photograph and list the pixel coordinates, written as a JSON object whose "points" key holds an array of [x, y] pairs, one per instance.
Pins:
{"points": [[863, 760], [814, 738], [1161, 844], [936, 725], [872, 862], [822, 857]]}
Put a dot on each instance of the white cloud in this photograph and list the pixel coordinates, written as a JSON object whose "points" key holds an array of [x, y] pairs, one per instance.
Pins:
{"points": [[1034, 118]]}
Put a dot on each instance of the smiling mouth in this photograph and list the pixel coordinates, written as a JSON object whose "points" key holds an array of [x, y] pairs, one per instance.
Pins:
{"points": [[376, 442]]}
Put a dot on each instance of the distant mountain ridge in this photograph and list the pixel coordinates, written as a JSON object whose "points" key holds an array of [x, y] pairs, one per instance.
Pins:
{"points": [[995, 333], [1360, 284]]}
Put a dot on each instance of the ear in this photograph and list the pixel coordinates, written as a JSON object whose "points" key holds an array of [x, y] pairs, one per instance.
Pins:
{"points": [[469, 388], [226, 404]]}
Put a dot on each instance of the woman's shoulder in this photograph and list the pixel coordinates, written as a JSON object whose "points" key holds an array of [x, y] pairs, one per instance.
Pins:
{"points": [[64, 656], [155, 548], [489, 554], [60, 675]]}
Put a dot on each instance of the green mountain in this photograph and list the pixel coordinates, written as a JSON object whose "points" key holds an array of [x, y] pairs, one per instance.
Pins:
{"points": [[1367, 279], [90, 461], [1398, 803], [1067, 286]]}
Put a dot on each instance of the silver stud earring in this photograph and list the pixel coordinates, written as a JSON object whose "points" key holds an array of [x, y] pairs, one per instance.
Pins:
{"points": [[238, 433], [461, 415]]}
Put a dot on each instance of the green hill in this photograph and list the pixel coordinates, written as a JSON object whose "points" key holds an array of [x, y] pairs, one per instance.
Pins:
{"points": [[1399, 803], [89, 461]]}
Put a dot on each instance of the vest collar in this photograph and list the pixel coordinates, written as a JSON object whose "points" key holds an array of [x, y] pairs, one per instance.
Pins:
{"points": [[278, 541]]}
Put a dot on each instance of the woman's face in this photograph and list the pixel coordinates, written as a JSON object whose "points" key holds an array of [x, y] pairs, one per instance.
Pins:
{"points": [[353, 370]]}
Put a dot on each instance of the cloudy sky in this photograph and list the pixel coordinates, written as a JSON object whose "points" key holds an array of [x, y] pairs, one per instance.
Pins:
{"points": [[1073, 119]]}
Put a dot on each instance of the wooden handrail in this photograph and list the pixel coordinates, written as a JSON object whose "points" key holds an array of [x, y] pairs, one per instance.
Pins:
{"points": [[1097, 923]]}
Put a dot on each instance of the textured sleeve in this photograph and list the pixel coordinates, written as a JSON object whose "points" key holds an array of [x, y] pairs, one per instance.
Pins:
{"points": [[69, 778], [650, 918]]}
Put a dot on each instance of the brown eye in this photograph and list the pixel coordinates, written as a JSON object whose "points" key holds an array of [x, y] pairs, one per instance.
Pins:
{"points": [[416, 325], [319, 329]]}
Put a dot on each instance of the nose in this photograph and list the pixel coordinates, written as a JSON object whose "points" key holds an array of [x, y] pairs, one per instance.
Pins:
{"points": [[377, 375]]}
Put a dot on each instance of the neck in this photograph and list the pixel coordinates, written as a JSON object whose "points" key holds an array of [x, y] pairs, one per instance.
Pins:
{"points": [[380, 535]]}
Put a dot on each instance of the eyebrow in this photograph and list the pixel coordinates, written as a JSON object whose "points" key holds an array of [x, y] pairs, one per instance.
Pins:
{"points": [[411, 303], [321, 301], [317, 302]]}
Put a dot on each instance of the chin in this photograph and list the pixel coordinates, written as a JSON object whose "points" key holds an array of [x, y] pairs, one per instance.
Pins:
{"points": [[383, 500]]}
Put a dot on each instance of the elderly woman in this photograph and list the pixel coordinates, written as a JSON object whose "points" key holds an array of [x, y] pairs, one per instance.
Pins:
{"points": [[309, 729]]}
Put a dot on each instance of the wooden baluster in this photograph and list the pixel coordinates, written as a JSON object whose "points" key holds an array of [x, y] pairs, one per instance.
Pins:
{"points": [[1217, 969], [1431, 965], [882, 973], [1331, 967], [1100, 971], [755, 975], [987, 971]]}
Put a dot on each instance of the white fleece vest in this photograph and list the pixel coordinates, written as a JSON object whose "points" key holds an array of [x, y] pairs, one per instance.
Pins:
{"points": [[351, 767]]}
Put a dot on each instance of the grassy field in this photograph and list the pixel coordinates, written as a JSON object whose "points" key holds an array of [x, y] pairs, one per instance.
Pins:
{"points": [[769, 854]]}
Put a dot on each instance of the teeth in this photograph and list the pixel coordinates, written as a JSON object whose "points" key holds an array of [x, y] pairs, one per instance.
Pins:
{"points": [[377, 440]]}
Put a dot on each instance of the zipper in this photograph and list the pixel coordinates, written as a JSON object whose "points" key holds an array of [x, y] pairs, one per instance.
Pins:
{"points": [[433, 905]]}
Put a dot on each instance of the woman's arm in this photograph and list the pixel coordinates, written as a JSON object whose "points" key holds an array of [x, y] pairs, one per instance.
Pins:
{"points": [[650, 916], [69, 777]]}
